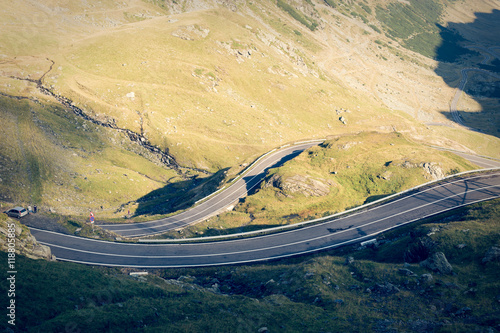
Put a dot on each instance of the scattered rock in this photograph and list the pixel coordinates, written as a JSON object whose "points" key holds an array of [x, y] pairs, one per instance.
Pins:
{"points": [[214, 288], [426, 278], [438, 263], [461, 246], [343, 120], [385, 288], [421, 325], [349, 260], [451, 285], [433, 230], [191, 32], [471, 292], [493, 254], [405, 272], [386, 175], [408, 165], [186, 279], [463, 312], [263, 330]]}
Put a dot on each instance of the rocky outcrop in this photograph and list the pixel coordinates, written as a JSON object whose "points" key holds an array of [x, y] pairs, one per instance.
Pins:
{"points": [[299, 184], [385, 288], [25, 243], [438, 263], [419, 250], [425, 278], [493, 254], [191, 32], [433, 170]]}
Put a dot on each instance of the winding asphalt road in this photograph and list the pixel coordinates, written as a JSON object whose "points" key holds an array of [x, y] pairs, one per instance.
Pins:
{"points": [[458, 93], [461, 86], [218, 202], [333, 232]]}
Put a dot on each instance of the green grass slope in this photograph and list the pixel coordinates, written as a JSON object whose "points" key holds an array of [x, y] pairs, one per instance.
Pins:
{"points": [[54, 159], [375, 292]]}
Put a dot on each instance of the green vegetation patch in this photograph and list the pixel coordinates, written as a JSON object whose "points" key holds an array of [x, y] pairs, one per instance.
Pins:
{"points": [[417, 26], [305, 20]]}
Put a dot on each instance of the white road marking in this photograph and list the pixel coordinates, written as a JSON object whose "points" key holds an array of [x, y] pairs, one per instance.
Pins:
{"points": [[287, 244]]}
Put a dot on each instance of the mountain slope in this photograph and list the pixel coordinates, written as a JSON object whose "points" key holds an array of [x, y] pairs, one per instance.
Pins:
{"points": [[214, 84]]}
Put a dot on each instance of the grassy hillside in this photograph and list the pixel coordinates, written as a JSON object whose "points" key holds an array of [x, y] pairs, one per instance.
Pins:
{"points": [[212, 87], [376, 291], [56, 160], [215, 85], [342, 173]]}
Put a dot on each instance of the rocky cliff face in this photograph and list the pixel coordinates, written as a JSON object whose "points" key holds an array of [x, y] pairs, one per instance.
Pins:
{"points": [[25, 243]]}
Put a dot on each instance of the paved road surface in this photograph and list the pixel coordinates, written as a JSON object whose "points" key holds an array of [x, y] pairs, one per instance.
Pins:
{"points": [[332, 233], [216, 203]]}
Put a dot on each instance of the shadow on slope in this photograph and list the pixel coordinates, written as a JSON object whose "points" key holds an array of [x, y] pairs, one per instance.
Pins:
{"points": [[183, 195], [470, 53], [252, 182], [179, 195]]}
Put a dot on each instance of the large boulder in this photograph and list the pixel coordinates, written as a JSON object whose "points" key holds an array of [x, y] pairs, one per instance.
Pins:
{"points": [[433, 170], [438, 263]]}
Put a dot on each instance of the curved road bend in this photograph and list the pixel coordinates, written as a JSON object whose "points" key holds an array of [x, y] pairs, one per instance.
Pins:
{"points": [[461, 86], [331, 233], [216, 203], [481, 161]]}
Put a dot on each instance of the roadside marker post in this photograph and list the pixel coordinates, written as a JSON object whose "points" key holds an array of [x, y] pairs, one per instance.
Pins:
{"points": [[92, 221]]}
